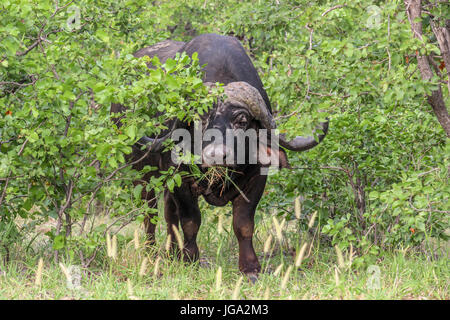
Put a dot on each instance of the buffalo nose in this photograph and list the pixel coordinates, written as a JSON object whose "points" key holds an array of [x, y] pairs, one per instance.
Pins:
{"points": [[215, 154]]}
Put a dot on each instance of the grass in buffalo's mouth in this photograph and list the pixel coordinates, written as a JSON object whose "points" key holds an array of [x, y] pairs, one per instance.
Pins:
{"points": [[215, 175], [220, 176]]}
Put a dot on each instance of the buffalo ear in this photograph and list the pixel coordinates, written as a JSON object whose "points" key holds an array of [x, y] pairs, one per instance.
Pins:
{"points": [[266, 154], [284, 163]]}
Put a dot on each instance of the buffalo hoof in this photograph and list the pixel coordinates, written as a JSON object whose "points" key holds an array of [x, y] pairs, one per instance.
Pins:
{"points": [[252, 277]]}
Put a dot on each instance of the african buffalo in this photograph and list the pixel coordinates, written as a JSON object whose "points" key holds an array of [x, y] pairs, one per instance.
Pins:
{"points": [[245, 107]]}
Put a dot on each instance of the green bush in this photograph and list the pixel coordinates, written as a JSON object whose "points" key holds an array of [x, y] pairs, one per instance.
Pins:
{"points": [[379, 179]]}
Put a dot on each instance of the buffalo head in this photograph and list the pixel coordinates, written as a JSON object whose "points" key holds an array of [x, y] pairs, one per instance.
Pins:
{"points": [[240, 130]]}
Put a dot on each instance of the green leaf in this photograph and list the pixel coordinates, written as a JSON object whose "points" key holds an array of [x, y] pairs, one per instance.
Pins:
{"points": [[170, 184], [59, 242], [137, 191], [177, 179], [102, 35], [130, 131], [170, 65]]}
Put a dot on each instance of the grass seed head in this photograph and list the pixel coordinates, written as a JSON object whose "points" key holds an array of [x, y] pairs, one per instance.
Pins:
{"points": [[178, 237], [286, 278], [350, 255], [312, 219], [237, 289], [168, 242], [156, 269], [65, 272], [108, 245], [336, 276], [220, 225], [267, 244], [282, 224], [297, 207], [340, 257], [278, 270], [300, 255], [114, 247], [40, 267], [136, 239], [218, 278], [143, 267], [278, 230]]}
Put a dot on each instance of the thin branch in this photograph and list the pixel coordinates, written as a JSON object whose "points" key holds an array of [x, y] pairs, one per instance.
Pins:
{"points": [[18, 84], [40, 38], [37, 42], [426, 210], [427, 172], [108, 178], [334, 8]]}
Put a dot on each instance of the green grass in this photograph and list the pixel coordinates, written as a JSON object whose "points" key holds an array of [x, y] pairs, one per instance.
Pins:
{"points": [[403, 274]]}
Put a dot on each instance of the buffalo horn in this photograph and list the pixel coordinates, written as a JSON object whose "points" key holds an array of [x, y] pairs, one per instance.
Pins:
{"points": [[244, 94], [156, 144]]}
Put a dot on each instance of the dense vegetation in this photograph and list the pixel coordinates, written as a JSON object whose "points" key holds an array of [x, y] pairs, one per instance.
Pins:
{"points": [[379, 70]]}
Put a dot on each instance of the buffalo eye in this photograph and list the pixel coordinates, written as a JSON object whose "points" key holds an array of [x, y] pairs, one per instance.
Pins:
{"points": [[241, 121]]}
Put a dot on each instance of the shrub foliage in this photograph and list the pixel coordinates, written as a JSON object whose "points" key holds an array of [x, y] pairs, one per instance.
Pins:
{"points": [[380, 178]]}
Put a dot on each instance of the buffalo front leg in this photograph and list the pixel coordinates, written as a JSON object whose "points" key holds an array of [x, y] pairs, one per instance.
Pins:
{"points": [[190, 220], [150, 227], [243, 226], [172, 219]]}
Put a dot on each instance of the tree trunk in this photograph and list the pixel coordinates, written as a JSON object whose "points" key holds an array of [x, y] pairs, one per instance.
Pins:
{"points": [[443, 38], [436, 99]]}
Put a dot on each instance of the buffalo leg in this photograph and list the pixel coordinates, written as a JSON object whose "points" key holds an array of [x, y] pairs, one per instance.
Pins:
{"points": [[190, 220], [243, 226], [172, 218], [150, 227]]}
